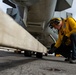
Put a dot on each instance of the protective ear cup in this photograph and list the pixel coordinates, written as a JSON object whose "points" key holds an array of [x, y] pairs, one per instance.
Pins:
{"points": [[56, 21]]}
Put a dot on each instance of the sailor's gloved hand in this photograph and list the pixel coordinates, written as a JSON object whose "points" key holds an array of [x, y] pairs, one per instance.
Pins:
{"points": [[64, 39], [52, 50]]}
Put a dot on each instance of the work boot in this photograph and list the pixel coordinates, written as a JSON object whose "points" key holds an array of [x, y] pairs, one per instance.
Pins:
{"points": [[72, 60]]}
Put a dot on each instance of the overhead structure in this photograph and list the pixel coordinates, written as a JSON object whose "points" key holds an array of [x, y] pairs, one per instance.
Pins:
{"points": [[63, 4]]}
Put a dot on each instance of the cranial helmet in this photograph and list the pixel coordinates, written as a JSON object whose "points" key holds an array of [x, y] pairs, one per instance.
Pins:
{"points": [[55, 21]]}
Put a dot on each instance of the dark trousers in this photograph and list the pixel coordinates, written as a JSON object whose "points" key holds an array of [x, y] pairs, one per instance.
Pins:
{"points": [[64, 50], [70, 50], [73, 44]]}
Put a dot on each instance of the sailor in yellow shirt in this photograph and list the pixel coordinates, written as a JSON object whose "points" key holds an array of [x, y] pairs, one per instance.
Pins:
{"points": [[66, 42]]}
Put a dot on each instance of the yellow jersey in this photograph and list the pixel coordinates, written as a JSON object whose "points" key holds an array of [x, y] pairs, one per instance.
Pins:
{"points": [[67, 29]]}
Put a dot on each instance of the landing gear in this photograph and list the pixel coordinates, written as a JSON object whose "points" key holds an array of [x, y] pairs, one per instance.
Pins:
{"points": [[46, 54], [27, 53], [39, 55]]}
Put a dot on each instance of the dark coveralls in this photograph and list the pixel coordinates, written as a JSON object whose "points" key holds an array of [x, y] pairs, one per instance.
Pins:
{"points": [[67, 48]]}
